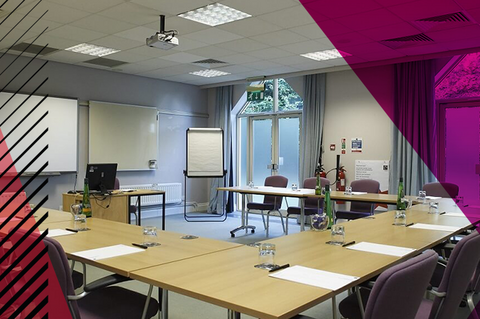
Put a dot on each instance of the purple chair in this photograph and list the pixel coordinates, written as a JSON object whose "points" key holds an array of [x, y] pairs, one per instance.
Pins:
{"points": [[360, 209], [132, 209], [270, 203], [441, 189], [312, 205], [457, 276], [100, 301]]}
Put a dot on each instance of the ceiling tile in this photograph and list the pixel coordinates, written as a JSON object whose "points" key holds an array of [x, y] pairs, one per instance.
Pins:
{"points": [[279, 38], [89, 5], [213, 36], [16, 36], [9, 6], [475, 13], [150, 52], [381, 55], [469, 32], [348, 39], [261, 65], [106, 25], [305, 47], [313, 65], [424, 9], [390, 31], [183, 26], [27, 22], [239, 58], [424, 49], [462, 44], [390, 3], [139, 34], [158, 63], [291, 60], [132, 13], [127, 56], [367, 48], [288, 18], [187, 44], [249, 27], [469, 4], [53, 42], [132, 68], [255, 7], [173, 70], [211, 51], [68, 57], [336, 9], [183, 57], [173, 7], [332, 27], [74, 33], [369, 20], [115, 42], [269, 53], [281, 70], [243, 45], [311, 31], [234, 69], [56, 12]]}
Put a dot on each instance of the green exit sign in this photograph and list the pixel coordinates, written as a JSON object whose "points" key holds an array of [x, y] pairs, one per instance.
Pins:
{"points": [[255, 96]]}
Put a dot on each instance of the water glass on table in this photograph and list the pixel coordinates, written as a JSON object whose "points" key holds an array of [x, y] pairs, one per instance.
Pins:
{"points": [[433, 208], [422, 196], [150, 238], [80, 222], [251, 185], [337, 235], [400, 218], [294, 187], [348, 190], [266, 256]]}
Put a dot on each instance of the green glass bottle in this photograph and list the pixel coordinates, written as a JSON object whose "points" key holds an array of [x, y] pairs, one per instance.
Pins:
{"points": [[400, 195], [86, 207], [328, 206]]}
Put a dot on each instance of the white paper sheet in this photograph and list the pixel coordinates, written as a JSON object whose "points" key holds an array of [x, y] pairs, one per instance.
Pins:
{"points": [[59, 232], [108, 252], [359, 193], [454, 214], [314, 277], [435, 227], [382, 249]]}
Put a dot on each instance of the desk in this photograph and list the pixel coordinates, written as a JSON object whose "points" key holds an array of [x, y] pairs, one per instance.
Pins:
{"points": [[228, 278], [54, 216], [116, 206]]}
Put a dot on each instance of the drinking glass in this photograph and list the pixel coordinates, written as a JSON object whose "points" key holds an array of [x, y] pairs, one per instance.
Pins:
{"points": [[338, 235], [433, 208], [459, 201], [150, 238], [294, 187], [250, 184], [266, 256], [422, 195], [348, 190], [80, 222], [400, 218], [319, 222]]}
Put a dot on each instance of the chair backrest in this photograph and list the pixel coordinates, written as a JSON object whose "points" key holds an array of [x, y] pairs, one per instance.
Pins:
{"points": [[275, 181], [117, 184], [399, 290], [311, 183], [447, 190], [364, 185], [460, 269]]}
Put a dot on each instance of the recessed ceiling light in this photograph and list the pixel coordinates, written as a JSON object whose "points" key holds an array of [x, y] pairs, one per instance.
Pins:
{"points": [[325, 55], [92, 49], [214, 14], [208, 73]]}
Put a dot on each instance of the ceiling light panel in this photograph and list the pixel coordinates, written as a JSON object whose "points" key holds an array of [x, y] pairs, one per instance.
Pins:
{"points": [[326, 55], [214, 14], [92, 49], [209, 73]]}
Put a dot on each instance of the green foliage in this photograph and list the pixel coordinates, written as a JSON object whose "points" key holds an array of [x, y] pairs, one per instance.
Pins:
{"points": [[288, 99], [463, 81]]}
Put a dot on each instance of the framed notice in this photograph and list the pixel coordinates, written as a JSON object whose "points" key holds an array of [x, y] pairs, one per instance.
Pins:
{"points": [[357, 145]]}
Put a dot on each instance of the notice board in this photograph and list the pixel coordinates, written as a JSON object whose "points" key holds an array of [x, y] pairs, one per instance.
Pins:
{"points": [[376, 170]]}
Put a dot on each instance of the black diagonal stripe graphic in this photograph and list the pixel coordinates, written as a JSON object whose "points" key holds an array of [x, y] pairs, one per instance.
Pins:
{"points": [[24, 67], [23, 272], [1, 6], [24, 135], [23, 120], [37, 309], [26, 99], [20, 19], [24, 152], [22, 35], [26, 251], [18, 56], [25, 287], [12, 12], [21, 87]]}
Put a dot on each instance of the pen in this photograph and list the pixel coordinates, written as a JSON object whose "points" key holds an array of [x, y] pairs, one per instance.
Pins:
{"points": [[72, 230], [140, 245], [411, 224], [279, 267], [443, 213], [349, 243]]}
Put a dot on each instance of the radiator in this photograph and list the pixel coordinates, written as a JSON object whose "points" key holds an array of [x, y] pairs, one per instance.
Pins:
{"points": [[4, 197], [173, 193]]}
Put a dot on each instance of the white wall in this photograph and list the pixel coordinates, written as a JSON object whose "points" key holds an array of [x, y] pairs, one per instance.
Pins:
{"points": [[351, 111], [91, 84]]}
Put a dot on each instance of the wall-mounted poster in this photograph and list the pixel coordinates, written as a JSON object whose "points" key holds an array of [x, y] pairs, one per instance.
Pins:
{"points": [[357, 145]]}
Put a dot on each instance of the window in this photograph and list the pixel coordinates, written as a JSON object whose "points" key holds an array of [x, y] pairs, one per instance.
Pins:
{"points": [[463, 81]]}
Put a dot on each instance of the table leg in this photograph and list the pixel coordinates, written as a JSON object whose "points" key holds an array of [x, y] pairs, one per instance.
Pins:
{"points": [[302, 214], [139, 200], [244, 220], [233, 314], [334, 307], [163, 212], [164, 304]]}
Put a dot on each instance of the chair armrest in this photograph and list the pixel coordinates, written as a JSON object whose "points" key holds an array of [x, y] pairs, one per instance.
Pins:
{"points": [[442, 262], [437, 293], [105, 282]]}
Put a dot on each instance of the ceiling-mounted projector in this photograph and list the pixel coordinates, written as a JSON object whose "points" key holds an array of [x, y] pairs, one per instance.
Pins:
{"points": [[164, 40]]}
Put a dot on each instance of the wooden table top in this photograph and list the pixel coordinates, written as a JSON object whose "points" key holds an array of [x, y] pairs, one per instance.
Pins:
{"points": [[54, 215], [105, 233], [228, 278]]}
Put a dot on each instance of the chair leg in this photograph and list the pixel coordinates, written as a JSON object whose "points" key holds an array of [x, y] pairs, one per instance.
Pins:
{"points": [[360, 302], [286, 226], [268, 222], [281, 218], [471, 306], [263, 218]]}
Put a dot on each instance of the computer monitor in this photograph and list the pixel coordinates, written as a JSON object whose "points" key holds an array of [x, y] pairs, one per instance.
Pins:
{"points": [[101, 177]]}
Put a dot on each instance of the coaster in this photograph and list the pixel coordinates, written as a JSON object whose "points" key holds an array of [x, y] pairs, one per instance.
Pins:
{"points": [[256, 245], [189, 237], [266, 266], [333, 243]]}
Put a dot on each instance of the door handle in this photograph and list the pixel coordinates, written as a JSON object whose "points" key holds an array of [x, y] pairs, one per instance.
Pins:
{"points": [[272, 166]]}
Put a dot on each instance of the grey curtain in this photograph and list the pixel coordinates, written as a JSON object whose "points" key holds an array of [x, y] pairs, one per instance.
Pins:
{"points": [[414, 130], [223, 108], [312, 124]]}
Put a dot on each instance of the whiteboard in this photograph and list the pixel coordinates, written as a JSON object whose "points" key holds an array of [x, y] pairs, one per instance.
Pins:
{"points": [[205, 152], [61, 138], [376, 170], [123, 134]]}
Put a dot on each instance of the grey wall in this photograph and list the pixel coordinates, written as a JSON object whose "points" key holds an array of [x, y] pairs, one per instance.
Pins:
{"points": [[86, 84]]}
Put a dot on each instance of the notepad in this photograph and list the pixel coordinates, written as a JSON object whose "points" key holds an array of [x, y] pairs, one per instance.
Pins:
{"points": [[454, 214], [435, 227], [59, 232], [314, 277], [108, 252], [382, 249], [359, 193]]}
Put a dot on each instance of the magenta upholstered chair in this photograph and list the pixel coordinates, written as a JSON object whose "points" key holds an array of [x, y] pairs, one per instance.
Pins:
{"points": [[312, 205], [270, 203], [441, 189], [360, 209], [458, 274]]}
